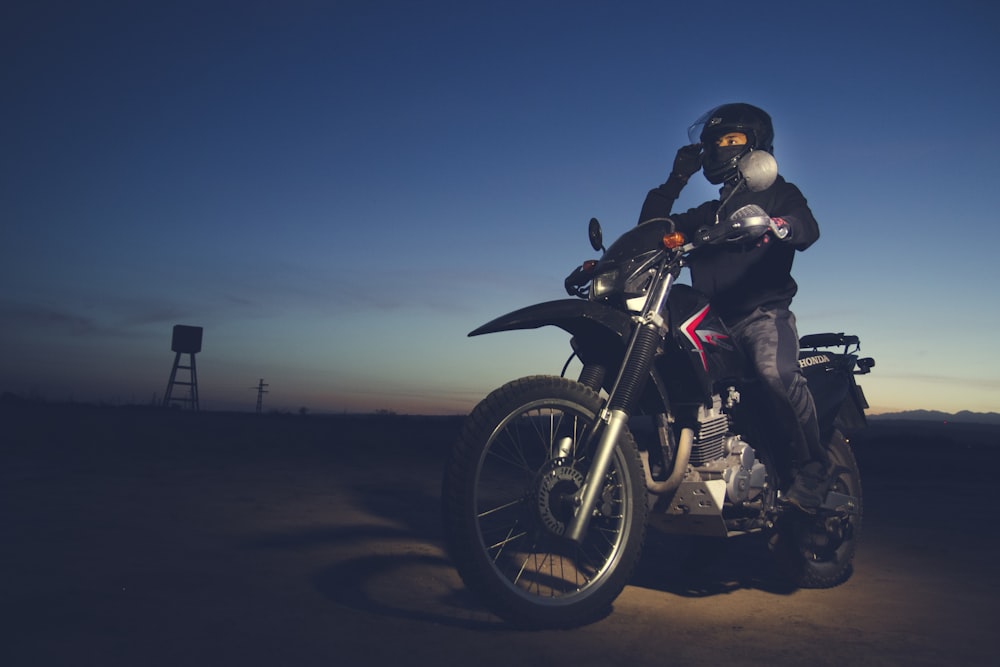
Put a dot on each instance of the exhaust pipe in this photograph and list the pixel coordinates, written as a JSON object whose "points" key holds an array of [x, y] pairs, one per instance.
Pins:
{"points": [[670, 484]]}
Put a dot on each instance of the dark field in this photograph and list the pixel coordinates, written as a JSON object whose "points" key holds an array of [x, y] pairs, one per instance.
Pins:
{"points": [[147, 537]]}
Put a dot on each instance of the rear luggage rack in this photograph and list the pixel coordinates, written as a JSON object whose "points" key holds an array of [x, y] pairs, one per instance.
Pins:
{"points": [[815, 341]]}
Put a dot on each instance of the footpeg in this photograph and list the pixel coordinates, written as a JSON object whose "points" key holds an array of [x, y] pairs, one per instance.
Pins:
{"points": [[840, 503]]}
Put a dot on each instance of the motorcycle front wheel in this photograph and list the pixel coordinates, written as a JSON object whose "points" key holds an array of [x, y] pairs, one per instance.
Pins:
{"points": [[509, 492]]}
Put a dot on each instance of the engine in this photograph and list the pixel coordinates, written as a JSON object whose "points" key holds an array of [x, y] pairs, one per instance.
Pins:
{"points": [[717, 453]]}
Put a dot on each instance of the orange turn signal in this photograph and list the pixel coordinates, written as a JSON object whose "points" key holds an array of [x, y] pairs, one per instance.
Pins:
{"points": [[673, 240]]}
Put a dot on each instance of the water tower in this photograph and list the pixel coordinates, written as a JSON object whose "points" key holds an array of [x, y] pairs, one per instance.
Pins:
{"points": [[186, 340]]}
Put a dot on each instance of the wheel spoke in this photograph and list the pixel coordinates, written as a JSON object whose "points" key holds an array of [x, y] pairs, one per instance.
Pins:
{"points": [[499, 508], [499, 546]]}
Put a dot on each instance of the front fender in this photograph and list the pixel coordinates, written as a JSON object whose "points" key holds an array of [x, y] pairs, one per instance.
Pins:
{"points": [[584, 320], [601, 334]]}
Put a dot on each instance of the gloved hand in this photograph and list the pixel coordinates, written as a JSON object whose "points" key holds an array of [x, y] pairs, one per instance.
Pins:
{"points": [[780, 228], [687, 161]]}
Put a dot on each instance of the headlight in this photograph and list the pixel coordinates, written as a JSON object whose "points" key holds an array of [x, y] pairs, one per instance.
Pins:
{"points": [[603, 284]]}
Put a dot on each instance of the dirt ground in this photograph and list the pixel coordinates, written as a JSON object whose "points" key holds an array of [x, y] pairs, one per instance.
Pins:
{"points": [[142, 537]]}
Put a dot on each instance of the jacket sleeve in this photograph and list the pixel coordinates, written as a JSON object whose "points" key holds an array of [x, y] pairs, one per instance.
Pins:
{"points": [[661, 200], [793, 209]]}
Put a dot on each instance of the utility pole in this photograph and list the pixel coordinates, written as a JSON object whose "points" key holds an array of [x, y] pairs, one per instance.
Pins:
{"points": [[260, 395]]}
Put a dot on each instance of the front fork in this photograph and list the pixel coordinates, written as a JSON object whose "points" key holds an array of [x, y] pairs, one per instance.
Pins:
{"points": [[613, 422], [622, 398]]}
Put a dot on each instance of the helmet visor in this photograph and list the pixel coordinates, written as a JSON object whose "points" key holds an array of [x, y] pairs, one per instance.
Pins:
{"points": [[694, 132]]}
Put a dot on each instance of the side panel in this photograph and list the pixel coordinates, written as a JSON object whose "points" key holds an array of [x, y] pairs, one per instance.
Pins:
{"points": [[703, 352]]}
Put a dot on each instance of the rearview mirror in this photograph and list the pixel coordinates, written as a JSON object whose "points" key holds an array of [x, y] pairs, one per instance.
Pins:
{"points": [[759, 169], [596, 235]]}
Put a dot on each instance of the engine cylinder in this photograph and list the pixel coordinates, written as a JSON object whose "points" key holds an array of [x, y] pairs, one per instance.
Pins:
{"points": [[710, 440]]}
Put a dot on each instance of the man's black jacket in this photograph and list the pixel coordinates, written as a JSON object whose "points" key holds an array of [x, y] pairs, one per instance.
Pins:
{"points": [[739, 277]]}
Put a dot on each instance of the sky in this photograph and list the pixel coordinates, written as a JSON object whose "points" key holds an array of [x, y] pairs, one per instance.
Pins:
{"points": [[338, 192]]}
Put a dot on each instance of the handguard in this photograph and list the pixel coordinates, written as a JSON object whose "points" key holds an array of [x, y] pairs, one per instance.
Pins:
{"points": [[577, 281]]}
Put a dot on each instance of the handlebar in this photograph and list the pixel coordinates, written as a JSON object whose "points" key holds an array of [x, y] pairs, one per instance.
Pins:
{"points": [[645, 237], [731, 231]]}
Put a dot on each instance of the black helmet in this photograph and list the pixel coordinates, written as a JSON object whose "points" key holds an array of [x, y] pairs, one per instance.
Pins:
{"points": [[745, 128]]}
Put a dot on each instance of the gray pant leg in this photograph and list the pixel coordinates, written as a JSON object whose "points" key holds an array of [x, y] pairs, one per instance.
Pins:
{"points": [[770, 340]]}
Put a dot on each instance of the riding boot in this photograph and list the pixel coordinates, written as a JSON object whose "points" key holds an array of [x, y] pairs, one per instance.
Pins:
{"points": [[809, 488]]}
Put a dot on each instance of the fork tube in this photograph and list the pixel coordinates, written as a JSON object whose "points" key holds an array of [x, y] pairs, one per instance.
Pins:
{"points": [[615, 422], [646, 338]]}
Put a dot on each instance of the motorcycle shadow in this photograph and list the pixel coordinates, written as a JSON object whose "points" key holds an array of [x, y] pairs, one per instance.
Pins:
{"points": [[694, 566], [419, 587], [389, 561]]}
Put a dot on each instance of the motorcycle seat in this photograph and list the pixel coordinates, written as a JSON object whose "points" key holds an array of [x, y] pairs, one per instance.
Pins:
{"points": [[827, 340]]}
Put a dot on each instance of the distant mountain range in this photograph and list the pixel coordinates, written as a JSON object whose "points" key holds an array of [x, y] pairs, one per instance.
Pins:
{"points": [[963, 417]]}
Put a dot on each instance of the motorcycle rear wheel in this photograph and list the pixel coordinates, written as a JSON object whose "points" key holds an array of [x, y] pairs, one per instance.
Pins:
{"points": [[507, 496], [818, 551]]}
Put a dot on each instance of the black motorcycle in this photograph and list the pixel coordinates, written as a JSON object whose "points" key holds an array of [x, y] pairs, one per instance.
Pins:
{"points": [[547, 496]]}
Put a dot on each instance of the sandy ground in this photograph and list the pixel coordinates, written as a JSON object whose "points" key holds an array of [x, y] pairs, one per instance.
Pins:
{"points": [[137, 537]]}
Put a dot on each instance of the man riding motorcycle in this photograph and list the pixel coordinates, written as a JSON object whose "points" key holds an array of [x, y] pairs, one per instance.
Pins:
{"points": [[749, 283]]}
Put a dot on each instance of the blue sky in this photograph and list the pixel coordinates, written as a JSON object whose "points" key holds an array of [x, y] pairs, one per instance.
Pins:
{"points": [[339, 191]]}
